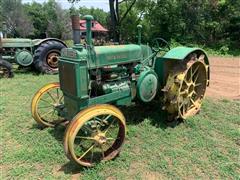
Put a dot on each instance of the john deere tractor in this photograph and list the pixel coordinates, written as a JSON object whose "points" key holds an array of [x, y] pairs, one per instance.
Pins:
{"points": [[42, 54], [95, 81]]}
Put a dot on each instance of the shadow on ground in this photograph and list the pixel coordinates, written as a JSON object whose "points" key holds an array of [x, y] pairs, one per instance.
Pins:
{"points": [[134, 115]]}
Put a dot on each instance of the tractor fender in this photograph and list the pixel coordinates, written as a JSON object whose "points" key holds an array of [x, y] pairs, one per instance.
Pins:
{"points": [[180, 53], [37, 42]]}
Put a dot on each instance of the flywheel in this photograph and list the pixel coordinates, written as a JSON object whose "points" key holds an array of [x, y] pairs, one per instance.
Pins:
{"points": [[185, 89]]}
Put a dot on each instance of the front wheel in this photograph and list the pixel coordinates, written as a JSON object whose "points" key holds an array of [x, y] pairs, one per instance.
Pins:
{"points": [[95, 134], [46, 104]]}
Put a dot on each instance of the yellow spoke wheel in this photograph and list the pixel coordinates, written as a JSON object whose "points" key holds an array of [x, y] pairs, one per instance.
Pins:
{"points": [[95, 134], [185, 89], [45, 103]]}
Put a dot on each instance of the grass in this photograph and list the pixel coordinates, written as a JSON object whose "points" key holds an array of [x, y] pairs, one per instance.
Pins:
{"points": [[205, 146]]}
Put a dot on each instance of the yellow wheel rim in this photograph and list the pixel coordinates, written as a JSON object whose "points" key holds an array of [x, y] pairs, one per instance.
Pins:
{"points": [[45, 103], [95, 134], [185, 89]]}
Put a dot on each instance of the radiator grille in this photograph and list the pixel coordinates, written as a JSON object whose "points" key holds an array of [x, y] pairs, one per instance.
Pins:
{"points": [[67, 76]]}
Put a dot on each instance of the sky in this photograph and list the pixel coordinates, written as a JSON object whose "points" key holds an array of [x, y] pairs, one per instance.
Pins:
{"points": [[102, 4]]}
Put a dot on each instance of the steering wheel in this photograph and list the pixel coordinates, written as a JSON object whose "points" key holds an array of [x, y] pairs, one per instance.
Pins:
{"points": [[160, 44]]}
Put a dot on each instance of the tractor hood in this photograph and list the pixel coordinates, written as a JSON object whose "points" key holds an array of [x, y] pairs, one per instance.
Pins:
{"points": [[24, 43], [16, 42]]}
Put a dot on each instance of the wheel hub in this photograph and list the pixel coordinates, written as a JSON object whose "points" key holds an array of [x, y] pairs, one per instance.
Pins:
{"points": [[52, 59], [100, 139]]}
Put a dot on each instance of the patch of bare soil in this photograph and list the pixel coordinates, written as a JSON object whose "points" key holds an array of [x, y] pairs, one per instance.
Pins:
{"points": [[224, 78]]}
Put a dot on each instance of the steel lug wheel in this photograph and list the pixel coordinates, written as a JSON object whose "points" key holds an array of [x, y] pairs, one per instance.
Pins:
{"points": [[186, 89], [46, 104], [95, 134]]}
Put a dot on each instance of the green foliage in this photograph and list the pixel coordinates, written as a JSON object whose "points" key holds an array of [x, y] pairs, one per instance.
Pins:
{"points": [[38, 17], [204, 147], [212, 24], [97, 13], [13, 15]]}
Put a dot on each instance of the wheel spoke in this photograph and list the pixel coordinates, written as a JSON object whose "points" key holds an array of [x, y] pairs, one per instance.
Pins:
{"points": [[182, 92], [60, 99], [196, 78], [105, 132], [191, 72], [82, 137], [91, 156], [195, 70], [106, 118], [57, 94], [53, 113], [110, 138], [46, 102], [198, 84], [43, 107], [193, 102], [47, 113], [51, 96], [89, 149], [102, 151], [98, 119]]}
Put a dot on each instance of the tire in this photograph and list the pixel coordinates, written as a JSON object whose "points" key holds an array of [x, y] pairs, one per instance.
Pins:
{"points": [[45, 58], [5, 69]]}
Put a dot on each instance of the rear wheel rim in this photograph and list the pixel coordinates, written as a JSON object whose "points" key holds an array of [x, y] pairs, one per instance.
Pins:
{"points": [[52, 59]]}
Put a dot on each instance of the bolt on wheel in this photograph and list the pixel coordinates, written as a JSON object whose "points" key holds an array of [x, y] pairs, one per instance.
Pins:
{"points": [[46, 104], [95, 134], [186, 89]]}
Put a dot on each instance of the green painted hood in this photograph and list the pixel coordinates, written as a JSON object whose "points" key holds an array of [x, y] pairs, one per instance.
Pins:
{"points": [[117, 54], [16, 42]]}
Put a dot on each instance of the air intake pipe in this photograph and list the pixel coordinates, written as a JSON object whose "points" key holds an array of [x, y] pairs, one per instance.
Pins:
{"points": [[89, 19]]}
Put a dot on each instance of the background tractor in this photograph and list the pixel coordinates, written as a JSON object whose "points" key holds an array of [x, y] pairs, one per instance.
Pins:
{"points": [[42, 54], [94, 80]]}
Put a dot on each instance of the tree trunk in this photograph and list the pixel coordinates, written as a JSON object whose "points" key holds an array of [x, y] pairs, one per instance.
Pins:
{"points": [[114, 20]]}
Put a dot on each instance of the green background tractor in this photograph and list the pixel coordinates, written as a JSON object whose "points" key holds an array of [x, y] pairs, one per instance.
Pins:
{"points": [[42, 54]]}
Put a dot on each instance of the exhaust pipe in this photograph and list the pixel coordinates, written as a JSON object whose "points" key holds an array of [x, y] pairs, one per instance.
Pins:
{"points": [[76, 28]]}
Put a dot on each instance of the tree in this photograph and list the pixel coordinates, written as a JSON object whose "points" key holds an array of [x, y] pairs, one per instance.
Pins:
{"points": [[97, 13], [17, 22], [116, 19], [39, 18], [57, 19]]}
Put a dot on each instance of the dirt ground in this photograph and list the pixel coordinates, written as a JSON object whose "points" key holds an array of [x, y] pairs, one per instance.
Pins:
{"points": [[224, 78]]}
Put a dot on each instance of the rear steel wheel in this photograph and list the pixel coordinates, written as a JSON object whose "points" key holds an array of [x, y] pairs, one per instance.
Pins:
{"points": [[96, 134], [185, 89], [45, 105]]}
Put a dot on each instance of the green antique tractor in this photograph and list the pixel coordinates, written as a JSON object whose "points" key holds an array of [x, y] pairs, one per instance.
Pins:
{"points": [[41, 53], [94, 80]]}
